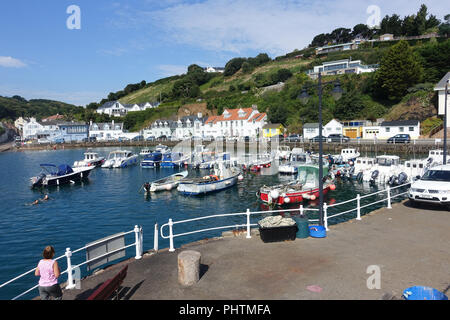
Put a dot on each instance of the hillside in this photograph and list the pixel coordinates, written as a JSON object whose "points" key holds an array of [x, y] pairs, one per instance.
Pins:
{"points": [[12, 108]]}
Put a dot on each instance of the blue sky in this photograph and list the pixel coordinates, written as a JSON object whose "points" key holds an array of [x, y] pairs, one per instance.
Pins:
{"points": [[122, 42]]}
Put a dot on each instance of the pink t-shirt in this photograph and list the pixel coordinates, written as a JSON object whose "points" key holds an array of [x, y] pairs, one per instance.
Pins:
{"points": [[48, 278]]}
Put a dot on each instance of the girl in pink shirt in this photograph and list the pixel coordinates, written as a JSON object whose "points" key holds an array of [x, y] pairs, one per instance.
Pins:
{"points": [[49, 272]]}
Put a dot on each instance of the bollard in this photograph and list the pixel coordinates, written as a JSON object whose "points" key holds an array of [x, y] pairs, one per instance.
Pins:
{"points": [[248, 225], [155, 238], [171, 249], [189, 267], [138, 246], [70, 282], [358, 207]]}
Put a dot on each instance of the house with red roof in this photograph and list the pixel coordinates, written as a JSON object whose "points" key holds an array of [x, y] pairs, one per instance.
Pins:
{"points": [[236, 123]]}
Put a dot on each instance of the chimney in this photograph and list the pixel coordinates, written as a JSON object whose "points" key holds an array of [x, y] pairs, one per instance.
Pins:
{"points": [[255, 107]]}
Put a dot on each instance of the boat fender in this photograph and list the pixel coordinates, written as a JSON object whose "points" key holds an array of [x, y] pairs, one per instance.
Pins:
{"points": [[287, 200], [332, 187], [312, 197], [214, 177], [274, 194]]}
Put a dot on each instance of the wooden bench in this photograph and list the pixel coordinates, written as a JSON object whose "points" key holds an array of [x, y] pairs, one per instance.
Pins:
{"points": [[109, 287]]}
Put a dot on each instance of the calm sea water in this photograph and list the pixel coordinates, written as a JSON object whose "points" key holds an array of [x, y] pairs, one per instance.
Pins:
{"points": [[110, 202]]}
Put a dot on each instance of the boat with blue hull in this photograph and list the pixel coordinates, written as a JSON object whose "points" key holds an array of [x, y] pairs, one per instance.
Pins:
{"points": [[173, 160], [223, 178], [152, 160], [52, 175]]}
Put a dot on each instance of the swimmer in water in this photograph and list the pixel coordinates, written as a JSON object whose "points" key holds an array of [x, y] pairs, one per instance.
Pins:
{"points": [[35, 202], [46, 198]]}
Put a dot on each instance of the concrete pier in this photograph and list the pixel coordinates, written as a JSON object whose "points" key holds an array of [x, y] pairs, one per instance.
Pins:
{"points": [[409, 246]]}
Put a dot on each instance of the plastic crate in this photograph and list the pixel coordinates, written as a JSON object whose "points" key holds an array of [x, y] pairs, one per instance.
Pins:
{"points": [[278, 233]]}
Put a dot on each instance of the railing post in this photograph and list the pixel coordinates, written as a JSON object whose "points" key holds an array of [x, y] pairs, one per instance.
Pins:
{"points": [[301, 210], [156, 238], [389, 197], [138, 240], [141, 235], [171, 249], [70, 282], [248, 225], [325, 216], [358, 207]]}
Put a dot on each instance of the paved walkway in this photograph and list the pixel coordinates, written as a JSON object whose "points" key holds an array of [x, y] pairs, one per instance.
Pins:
{"points": [[411, 246]]}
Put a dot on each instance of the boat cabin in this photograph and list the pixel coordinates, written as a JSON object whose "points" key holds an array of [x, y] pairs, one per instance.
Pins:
{"points": [[388, 160]]}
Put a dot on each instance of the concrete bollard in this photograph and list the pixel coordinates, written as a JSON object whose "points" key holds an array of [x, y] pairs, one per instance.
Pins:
{"points": [[189, 267]]}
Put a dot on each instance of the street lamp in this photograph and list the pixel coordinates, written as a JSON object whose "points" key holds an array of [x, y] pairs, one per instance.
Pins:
{"points": [[445, 122], [337, 93]]}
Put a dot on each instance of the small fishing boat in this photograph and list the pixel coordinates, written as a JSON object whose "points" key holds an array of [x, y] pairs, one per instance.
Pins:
{"points": [[173, 160], [298, 157], [53, 175], [165, 184], [145, 151], [120, 159], [347, 155], [305, 187], [283, 153], [222, 179], [91, 159], [152, 160]]}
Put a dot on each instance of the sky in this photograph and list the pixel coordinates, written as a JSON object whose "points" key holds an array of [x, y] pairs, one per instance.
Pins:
{"points": [[46, 54]]}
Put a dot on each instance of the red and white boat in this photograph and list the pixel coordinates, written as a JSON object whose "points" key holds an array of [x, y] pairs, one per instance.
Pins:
{"points": [[305, 187]]}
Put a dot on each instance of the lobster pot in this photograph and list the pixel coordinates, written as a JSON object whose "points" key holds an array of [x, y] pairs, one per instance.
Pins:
{"points": [[302, 226]]}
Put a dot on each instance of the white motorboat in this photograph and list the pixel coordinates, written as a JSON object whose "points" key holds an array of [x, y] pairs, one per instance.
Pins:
{"points": [[91, 159], [120, 159], [297, 158], [165, 184], [385, 170], [283, 153], [346, 155]]}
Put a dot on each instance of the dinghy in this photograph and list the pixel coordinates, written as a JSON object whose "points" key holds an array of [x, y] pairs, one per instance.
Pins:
{"points": [[165, 184]]}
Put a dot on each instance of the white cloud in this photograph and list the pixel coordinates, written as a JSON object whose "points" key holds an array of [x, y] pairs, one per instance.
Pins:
{"points": [[10, 62], [168, 70], [272, 26]]}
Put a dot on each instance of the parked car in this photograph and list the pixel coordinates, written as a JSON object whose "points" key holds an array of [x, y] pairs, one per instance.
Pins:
{"points": [[138, 138], [338, 137], [90, 139], [151, 138], [294, 138], [123, 139], [316, 139], [162, 138], [59, 140], [280, 137], [400, 138], [220, 138], [246, 139], [432, 187], [44, 141]]}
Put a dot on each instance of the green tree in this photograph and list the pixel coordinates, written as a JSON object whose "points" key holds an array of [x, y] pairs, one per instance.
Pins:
{"points": [[233, 66], [400, 69]]}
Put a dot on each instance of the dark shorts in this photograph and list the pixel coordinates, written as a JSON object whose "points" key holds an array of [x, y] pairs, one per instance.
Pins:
{"points": [[53, 291]]}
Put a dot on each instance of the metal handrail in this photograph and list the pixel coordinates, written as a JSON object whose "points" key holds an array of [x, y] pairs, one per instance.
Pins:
{"points": [[70, 281], [248, 213]]}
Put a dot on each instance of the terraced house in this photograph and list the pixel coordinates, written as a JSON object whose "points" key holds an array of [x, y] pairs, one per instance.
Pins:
{"points": [[117, 109]]}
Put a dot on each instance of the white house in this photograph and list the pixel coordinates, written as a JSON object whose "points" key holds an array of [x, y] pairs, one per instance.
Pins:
{"points": [[440, 87], [391, 128], [236, 123], [341, 67], [371, 132], [310, 130], [332, 127], [106, 131], [117, 109], [31, 129], [161, 128], [214, 69], [190, 126]]}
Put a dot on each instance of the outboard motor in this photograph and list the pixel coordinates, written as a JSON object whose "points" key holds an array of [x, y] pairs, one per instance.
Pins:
{"points": [[36, 182], [374, 176], [351, 171], [359, 176], [402, 178], [392, 180]]}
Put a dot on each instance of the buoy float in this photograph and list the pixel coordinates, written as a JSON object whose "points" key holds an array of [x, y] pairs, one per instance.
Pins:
{"points": [[287, 200], [313, 197], [332, 187]]}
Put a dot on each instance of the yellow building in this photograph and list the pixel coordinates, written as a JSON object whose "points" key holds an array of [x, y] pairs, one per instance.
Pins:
{"points": [[273, 129]]}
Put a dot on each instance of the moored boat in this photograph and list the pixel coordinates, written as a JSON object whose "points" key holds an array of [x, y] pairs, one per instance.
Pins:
{"points": [[91, 159], [120, 159], [53, 175], [165, 184], [152, 160], [305, 187], [222, 179]]}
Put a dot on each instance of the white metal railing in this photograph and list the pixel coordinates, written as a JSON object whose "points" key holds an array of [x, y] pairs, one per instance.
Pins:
{"points": [[68, 255], [301, 209]]}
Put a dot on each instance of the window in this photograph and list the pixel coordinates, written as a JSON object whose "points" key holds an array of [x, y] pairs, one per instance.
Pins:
{"points": [[411, 129], [388, 129], [402, 129]]}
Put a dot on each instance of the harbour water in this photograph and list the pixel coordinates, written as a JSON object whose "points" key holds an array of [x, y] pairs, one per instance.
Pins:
{"points": [[110, 202]]}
